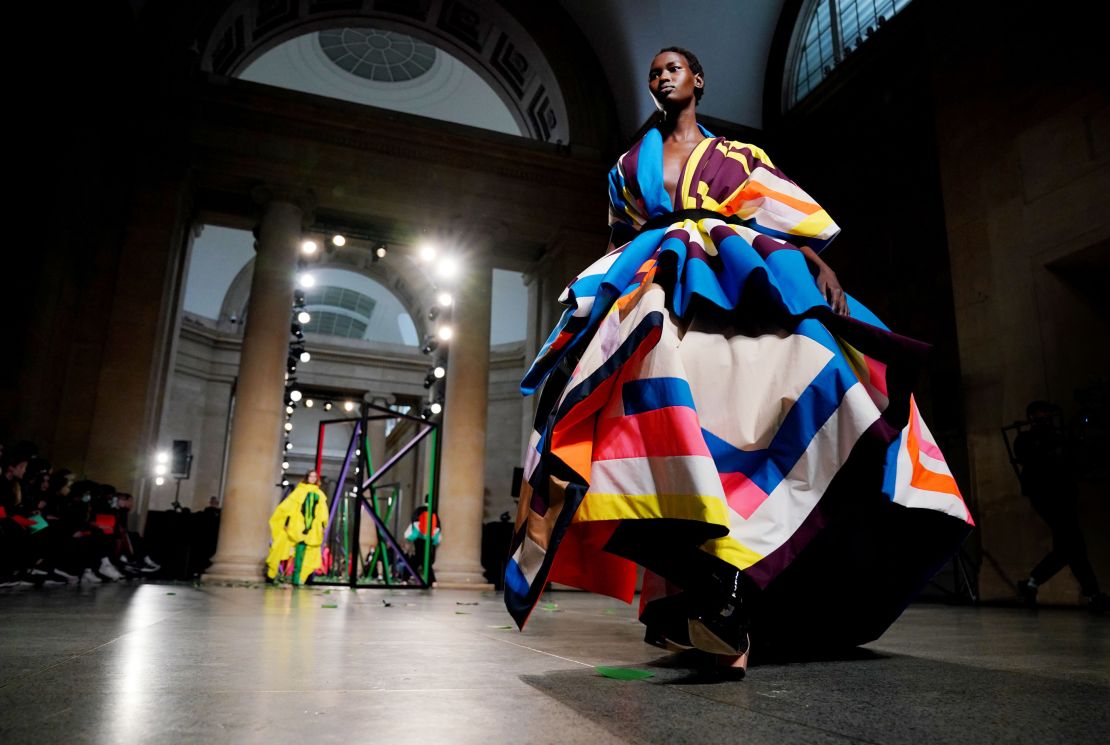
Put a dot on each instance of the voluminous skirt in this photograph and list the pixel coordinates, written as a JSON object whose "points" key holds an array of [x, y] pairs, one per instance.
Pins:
{"points": [[699, 388]]}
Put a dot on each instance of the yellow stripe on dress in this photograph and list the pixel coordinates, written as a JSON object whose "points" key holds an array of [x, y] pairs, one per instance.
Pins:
{"points": [[689, 200], [704, 508]]}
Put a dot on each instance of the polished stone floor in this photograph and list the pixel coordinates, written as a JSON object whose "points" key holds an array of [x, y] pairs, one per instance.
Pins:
{"points": [[221, 664]]}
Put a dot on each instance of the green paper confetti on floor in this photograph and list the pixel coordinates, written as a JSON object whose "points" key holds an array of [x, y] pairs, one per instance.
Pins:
{"points": [[609, 611], [623, 673], [550, 606], [329, 605], [461, 613]]}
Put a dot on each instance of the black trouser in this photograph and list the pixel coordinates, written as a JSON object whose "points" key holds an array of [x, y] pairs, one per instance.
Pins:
{"points": [[1068, 546]]}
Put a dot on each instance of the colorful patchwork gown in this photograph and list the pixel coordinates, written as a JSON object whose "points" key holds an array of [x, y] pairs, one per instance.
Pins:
{"points": [[699, 381]]}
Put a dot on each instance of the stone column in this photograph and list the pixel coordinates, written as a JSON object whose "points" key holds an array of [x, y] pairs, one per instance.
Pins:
{"points": [[249, 494], [462, 479]]}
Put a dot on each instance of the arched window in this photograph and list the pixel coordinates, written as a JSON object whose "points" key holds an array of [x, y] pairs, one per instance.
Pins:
{"points": [[827, 31]]}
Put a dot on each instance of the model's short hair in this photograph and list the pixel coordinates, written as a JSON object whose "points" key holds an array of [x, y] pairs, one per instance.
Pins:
{"points": [[694, 63]]}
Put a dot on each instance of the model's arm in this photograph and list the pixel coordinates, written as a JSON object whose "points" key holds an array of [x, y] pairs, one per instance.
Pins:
{"points": [[827, 281]]}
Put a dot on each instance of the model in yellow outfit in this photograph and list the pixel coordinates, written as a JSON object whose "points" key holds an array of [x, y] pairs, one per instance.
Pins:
{"points": [[297, 529]]}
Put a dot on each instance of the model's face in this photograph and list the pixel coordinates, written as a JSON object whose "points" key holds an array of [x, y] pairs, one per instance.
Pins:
{"points": [[670, 80], [313, 477]]}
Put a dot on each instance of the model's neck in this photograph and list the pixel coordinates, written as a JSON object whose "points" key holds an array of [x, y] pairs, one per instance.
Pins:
{"points": [[681, 125]]}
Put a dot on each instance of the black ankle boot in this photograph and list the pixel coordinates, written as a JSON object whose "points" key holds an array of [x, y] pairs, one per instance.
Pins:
{"points": [[720, 625]]}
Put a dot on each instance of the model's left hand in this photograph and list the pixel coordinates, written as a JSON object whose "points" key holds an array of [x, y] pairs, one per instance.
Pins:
{"points": [[830, 288]]}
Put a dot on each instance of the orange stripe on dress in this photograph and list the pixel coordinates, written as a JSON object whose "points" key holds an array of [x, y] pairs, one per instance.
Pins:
{"points": [[922, 477], [755, 190]]}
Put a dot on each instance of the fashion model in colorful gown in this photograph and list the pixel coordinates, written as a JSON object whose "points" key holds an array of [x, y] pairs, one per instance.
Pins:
{"points": [[717, 411]]}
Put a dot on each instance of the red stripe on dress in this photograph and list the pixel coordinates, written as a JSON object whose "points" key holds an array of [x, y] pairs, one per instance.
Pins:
{"points": [[666, 432]]}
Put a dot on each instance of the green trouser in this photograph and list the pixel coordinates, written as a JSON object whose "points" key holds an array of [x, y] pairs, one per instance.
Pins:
{"points": [[298, 559]]}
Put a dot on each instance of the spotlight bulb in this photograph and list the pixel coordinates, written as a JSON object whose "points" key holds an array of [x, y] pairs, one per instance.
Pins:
{"points": [[289, 426], [445, 333], [285, 465], [160, 469], [447, 268], [163, 457], [436, 407], [294, 395], [348, 405], [439, 371], [289, 410], [288, 446], [306, 280], [427, 253], [338, 240], [304, 317], [327, 406], [285, 482], [445, 299], [380, 252], [309, 402], [305, 356], [309, 247], [159, 481]]}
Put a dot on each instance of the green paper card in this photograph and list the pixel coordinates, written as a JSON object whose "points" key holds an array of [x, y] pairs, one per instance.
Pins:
{"points": [[623, 673]]}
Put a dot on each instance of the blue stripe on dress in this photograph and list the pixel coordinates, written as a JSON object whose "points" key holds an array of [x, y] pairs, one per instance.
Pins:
{"points": [[767, 467], [649, 394]]}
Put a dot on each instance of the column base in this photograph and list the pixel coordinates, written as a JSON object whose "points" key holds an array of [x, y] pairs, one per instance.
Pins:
{"points": [[235, 569]]}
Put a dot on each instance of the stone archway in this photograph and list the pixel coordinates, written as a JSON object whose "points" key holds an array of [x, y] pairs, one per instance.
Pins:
{"points": [[481, 32], [398, 276]]}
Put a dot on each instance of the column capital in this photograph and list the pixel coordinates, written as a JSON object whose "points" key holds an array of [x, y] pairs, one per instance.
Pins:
{"points": [[264, 193]]}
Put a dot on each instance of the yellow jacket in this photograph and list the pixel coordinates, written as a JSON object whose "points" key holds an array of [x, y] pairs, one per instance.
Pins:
{"points": [[287, 529]]}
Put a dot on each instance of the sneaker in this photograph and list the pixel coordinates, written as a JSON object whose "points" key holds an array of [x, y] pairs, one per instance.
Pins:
{"points": [[69, 578], [150, 565], [92, 578], [108, 569], [1027, 593]]}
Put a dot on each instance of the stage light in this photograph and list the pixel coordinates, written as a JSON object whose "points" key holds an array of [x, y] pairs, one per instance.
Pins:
{"points": [[287, 376], [306, 280], [304, 317], [358, 451], [327, 406], [159, 481], [289, 410], [298, 297], [381, 251], [433, 313], [445, 333], [162, 457], [445, 299], [285, 465], [427, 253], [338, 240], [448, 268], [285, 482], [439, 371], [289, 426], [305, 356], [309, 247], [429, 381], [161, 469], [436, 407], [431, 344], [294, 395], [308, 402], [288, 446], [348, 405]]}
